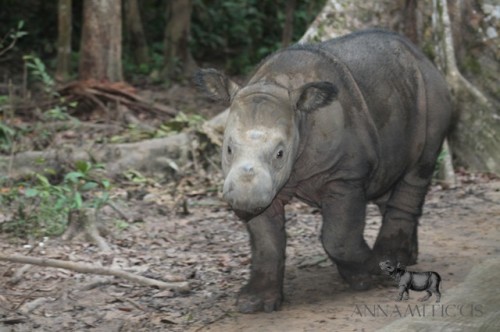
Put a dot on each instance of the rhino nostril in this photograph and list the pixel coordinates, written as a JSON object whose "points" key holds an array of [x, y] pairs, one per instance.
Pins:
{"points": [[248, 168]]}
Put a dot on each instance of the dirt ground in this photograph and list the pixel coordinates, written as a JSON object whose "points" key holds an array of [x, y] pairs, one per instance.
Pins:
{"points": [[208, 247], [199, 240]]}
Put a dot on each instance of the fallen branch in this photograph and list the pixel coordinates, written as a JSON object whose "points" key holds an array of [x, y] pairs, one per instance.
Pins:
{"points": [[92, 269]]}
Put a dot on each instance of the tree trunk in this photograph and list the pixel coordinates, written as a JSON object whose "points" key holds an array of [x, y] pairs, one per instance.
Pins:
{"points": [[179, 62], [475, 138], [410, 28], [286, 38], [101, 45], [63, 40], [135, 32]]}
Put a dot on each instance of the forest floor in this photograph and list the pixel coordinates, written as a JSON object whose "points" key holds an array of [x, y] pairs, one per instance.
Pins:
{"points": [[202, 242]]}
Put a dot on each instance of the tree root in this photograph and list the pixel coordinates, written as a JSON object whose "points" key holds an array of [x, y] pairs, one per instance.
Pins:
{"points": [[85, 221], [120, 93], [149, 156], [447, 172]]}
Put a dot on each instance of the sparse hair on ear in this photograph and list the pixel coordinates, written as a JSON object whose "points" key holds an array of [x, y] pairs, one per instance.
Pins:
{"points": [[215, 85], [312, 96]]}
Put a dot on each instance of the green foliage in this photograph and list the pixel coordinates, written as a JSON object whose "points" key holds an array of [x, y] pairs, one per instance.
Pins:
{"points": [[471, 65], [59, 112], [8, 42], [443, 154], [39, 72], [182, 121], [6, 137], [179, 123], [156, 63], [41, 208], [242, 32]]}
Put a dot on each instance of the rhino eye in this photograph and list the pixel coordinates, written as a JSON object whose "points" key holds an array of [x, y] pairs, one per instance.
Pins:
{"points": [[279, 155], [229, 150]]}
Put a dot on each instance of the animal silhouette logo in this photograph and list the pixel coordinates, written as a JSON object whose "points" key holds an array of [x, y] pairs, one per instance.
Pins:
{"points": [[416, 281]]}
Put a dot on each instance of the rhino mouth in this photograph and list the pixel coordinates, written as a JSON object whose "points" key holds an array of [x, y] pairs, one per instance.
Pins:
{"points": [[248, 215], [248, 193], [249, 204]]}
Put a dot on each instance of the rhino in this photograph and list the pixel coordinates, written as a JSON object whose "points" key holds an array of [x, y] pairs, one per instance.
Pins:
{"points": [[336, 124], [429, 281]]}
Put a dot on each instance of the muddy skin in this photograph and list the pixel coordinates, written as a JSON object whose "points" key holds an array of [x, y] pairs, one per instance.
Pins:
{"points": [[338, 124], [417, 281]]}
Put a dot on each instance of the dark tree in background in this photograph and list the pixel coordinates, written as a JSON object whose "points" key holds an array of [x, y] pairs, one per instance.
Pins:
{"points": [[64, 30], [101, 44], [287, 36], [178, 59], [136, 37]]}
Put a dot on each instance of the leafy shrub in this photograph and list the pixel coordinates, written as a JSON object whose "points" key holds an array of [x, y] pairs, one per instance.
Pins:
{"points": [[41, 208]]}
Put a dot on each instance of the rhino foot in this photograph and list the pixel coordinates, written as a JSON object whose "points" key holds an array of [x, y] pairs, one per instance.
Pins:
{"points": [[403, 255], [250, 301], [396, 249], [357, 279]]}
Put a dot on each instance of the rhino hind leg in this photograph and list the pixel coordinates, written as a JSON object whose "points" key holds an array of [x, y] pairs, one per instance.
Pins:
{"points": [[426, 296], [397, 239], [343, 211], [434, 288], [438, 295]]}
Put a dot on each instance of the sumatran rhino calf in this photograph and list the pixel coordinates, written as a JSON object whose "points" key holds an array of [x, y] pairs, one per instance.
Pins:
{"points": [[337, 124], [418, 281]]}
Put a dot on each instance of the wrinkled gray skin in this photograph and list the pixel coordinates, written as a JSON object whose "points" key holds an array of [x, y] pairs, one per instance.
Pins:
{"points": [[355, 119], [418, 281]]}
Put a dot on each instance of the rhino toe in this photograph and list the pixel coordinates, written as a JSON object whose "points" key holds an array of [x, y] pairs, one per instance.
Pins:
{"points": [[251, 303]]}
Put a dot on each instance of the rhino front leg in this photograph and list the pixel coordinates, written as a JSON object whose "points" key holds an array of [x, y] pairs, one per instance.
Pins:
{"points": [[264, 291], [403, 294], [343, 209]]}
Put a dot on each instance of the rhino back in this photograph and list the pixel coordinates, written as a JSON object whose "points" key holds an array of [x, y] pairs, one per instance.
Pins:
{"points": [[407, 97]]}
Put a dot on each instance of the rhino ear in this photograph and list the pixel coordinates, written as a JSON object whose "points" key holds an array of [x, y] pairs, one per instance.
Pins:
{"points": [[216, 85], [312, 96]]}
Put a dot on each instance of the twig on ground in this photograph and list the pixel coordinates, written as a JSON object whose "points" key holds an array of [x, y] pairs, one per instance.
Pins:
{"points": [[19, 274], [95, 283], [92, 269], [220, 317], [134, 303], [117, 210], [28, 307]]}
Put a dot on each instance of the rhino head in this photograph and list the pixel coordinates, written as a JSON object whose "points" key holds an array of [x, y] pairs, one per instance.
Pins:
{"points": [[261, 138]]}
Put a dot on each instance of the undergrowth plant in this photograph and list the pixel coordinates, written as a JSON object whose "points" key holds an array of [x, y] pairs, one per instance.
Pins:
{"points": [[38, 71], [40, 207]]}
